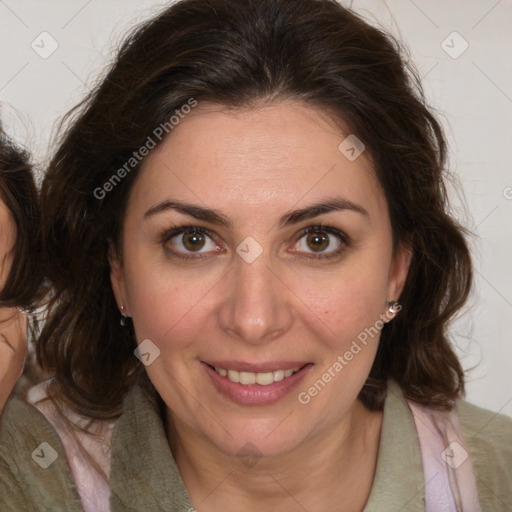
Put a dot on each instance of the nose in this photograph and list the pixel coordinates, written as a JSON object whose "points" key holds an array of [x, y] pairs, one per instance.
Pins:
{"points": [[257, 307]]}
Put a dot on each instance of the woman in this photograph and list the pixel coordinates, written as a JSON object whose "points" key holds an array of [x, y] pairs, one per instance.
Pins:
{"points": [[20, 275], [253, 270]]}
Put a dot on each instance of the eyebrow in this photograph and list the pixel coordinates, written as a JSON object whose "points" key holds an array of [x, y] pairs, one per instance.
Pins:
{"points": [[293, 217]]}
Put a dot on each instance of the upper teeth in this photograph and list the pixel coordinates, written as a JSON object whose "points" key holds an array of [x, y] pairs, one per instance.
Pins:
{"points": [[263, 379]]}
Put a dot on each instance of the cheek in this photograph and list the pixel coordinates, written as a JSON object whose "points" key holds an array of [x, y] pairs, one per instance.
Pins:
{"points": [[167, 306], [347, 304], [350, 313]]}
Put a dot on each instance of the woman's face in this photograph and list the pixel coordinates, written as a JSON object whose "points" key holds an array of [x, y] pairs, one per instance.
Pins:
{"points": [[244, 287]]}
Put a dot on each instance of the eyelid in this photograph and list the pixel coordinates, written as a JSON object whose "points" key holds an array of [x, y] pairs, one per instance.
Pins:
{"points": [[324, 227], [177, 230], [168, 234], [344, 239]]}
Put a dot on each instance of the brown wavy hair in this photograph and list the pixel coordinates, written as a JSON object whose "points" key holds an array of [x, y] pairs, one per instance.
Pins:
{"points": [[239, 54]]}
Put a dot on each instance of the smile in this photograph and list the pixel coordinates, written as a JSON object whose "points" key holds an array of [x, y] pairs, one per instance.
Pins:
{"points": [[261, 378], [256, 383]]}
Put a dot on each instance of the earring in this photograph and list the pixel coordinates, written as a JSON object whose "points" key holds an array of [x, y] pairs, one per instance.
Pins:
{"points": [[124, 318], [393, 307]]}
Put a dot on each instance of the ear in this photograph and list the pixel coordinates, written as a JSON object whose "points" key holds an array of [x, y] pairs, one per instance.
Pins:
{"points": [[117, 279], [398, 272]]}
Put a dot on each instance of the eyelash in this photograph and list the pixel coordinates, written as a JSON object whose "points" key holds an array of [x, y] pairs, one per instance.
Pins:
{"points": [[343, 238]]}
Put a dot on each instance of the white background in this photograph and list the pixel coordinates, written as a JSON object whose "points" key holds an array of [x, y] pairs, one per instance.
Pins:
{"points": [[472, 93]]}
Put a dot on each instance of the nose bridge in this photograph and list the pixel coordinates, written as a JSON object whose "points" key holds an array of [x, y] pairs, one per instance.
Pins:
{"points": [[256, 306]]}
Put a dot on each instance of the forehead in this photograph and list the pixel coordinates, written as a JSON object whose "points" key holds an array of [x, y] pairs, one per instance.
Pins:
{"points": [[271, 157]]}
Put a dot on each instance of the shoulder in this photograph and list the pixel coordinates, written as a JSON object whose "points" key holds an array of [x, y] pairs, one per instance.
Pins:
{"points": [[489, 440], [485, 424], [488, 431], [21, 426], [34, 474]]}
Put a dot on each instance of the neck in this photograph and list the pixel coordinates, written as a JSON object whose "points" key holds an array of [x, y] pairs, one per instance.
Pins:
{"points": [[332, 467]]}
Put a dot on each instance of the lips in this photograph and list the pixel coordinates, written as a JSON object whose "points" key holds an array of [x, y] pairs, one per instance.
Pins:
{"points": [[241, 383]]}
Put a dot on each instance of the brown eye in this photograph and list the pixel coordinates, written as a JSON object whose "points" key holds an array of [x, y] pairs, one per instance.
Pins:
{"points": [[189, 240], [193, 241], [321, 242], [318, 241]]}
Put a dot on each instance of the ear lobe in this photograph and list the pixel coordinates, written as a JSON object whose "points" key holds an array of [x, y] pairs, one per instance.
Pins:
{"points": [[399, 271]]}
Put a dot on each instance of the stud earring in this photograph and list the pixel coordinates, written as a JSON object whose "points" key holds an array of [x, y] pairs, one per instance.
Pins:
{"points": [[124, 318], [393, 307]]}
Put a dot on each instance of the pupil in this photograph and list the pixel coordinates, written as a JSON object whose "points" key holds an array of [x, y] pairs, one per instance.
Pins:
{"points": [[319, 241]]}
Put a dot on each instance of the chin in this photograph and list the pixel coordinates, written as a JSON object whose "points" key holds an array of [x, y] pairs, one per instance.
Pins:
{"points": [[257, 440]]}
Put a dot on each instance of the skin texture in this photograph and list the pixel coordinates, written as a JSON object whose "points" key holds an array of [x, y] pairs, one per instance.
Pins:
{"points": [[12, 322], [254, 166]]}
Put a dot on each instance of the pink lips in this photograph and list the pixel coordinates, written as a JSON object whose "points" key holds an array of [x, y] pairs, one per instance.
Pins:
{"points": [[255, 394]]}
